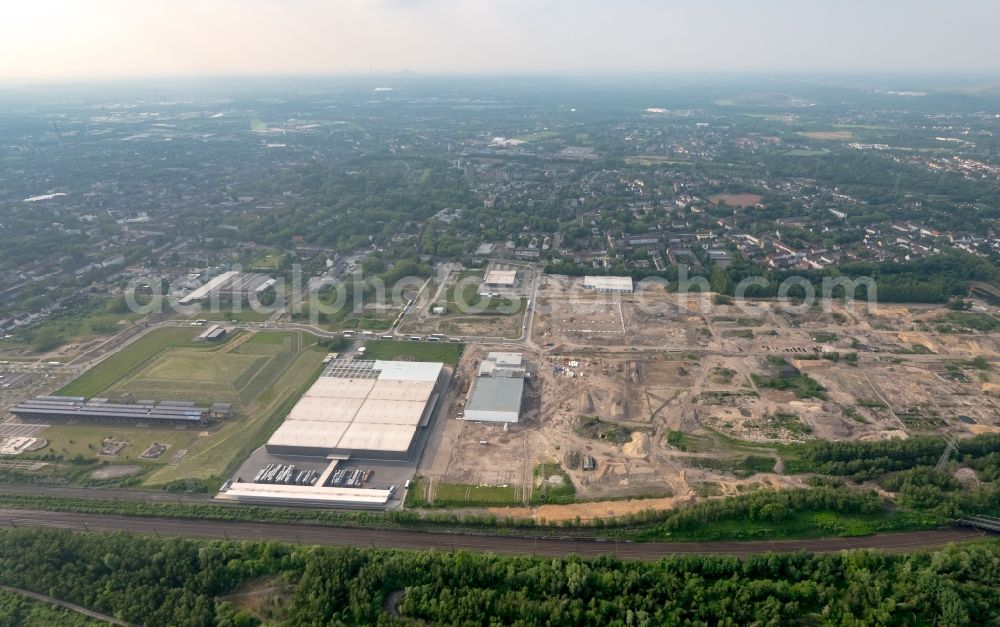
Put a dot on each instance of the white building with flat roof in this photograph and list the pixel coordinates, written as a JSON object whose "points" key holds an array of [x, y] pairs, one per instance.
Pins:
{"points": [[500, 278], [362, 409], [608, 283], [498, 389]]}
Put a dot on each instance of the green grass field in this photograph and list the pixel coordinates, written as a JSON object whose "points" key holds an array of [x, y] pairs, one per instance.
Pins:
{"points": [[116, 366], [552, 485], [262, 374], [461, 299], [218, 454], [461, 495], [389, 350]]}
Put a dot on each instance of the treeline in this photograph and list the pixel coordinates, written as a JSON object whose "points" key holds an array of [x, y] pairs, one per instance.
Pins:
{"points": [[774, 514], [159, 581], [864, 460], [933, 279]]}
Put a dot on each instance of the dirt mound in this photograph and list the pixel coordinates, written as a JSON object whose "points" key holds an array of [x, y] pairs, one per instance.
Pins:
{"points": [[638, 446], [918, 338]]}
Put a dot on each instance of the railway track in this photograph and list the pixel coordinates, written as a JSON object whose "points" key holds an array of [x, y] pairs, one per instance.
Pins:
{"points": [[415, 540]]}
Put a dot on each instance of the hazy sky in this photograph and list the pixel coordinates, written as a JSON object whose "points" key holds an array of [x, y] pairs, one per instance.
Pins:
{"points": [[46, 40]]}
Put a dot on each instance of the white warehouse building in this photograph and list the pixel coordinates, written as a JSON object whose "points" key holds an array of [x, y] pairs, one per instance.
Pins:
{"points": [[497, 391], [362, 409], [608, 283]]}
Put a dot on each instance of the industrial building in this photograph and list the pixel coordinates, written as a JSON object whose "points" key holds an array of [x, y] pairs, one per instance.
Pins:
{"points": [[500, 278], [234, 286], [498, 282], [362, 409], [608, 283], [497, 390], [59, 408], [214, 333], [307, 496]]}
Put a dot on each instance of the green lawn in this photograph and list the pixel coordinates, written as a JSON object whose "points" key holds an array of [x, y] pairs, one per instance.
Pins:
{"points": [[458, 300], [190, 366], [114, 367], [261, 374], [552, 485], [461, 495], [389, 350], [83, 439], [272, 338], [217, 455]]}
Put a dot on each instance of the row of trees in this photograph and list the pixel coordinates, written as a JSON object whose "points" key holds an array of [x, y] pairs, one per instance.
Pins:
{"points": [[158, 581], [930, 280]]}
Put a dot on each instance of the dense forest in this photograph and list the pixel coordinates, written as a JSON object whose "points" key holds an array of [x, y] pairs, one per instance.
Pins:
{"points": [[160, 581], [18, 610]]}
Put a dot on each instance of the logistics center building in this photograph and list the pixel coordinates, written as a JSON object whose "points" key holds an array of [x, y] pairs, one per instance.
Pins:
{"points": [[497, 390], [362, 409]]}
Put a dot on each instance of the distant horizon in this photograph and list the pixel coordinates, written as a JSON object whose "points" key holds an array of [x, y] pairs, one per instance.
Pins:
{"points": [[935, 78], [69, 41]]}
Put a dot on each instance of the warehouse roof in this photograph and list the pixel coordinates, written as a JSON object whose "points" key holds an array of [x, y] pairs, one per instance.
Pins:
{"points": [[208, 288], [362, 405], [100, 408], [610, 283], [359, 497], [496, 394], [408, 370], [501, 277], [499, 364]]}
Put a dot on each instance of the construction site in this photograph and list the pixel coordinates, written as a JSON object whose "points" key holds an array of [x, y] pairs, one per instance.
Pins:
{"points": [[484, 302], [666, 397]]}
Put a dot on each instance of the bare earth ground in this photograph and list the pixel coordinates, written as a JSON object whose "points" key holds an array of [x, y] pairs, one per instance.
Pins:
{"points": [[652, 363]]}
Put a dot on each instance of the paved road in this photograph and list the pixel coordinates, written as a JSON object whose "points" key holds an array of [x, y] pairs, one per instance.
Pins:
{"points": [[69, 606], [386, 538]]}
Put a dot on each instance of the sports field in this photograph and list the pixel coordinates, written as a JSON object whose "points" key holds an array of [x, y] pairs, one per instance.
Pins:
{"points": [[261, 374]]}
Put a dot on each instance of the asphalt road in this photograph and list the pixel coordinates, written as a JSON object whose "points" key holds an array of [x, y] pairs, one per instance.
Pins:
{"points": [[547, 547]]}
